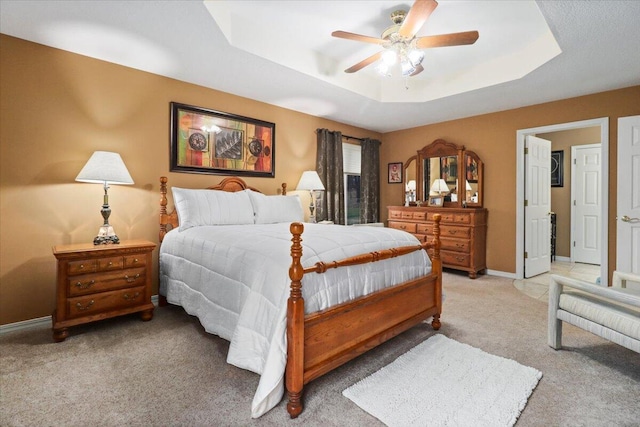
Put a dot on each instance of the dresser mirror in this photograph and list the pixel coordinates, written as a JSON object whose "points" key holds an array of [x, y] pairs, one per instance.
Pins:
{"points": [[439, 168], [410, 182]]}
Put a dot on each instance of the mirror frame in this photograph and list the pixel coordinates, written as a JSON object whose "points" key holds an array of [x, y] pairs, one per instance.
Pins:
{"points": [[442, 148]]}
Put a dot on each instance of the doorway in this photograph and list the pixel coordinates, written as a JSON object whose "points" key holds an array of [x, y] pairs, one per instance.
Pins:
{"points": [[603, 124]]}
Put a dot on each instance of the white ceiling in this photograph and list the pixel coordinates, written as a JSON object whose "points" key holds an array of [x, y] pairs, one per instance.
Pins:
{"points": [[514, 59]]}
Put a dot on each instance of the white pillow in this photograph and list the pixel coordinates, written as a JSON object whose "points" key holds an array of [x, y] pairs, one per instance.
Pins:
{"points": [[211, 207], [275, 209]]}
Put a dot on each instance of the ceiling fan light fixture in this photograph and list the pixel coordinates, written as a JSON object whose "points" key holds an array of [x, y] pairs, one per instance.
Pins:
{"points": [[407, 68], [389, 57], [383, 69], [415, 56]]}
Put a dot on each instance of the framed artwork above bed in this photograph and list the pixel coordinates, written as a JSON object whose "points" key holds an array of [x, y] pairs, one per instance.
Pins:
{"points": [[213, 142]]}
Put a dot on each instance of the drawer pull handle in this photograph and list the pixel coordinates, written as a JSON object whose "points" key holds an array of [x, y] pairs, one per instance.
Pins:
{"points": [[86, 307], [459, 245], [110, 263], [453, 231], [87, 285], [131, 279], [81, 266], [460, 258], [404, 227], [131, 298], [135, 260]]}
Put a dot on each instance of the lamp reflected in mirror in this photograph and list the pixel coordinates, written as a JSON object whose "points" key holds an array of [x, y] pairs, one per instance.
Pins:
{"points": [[410, 193]]}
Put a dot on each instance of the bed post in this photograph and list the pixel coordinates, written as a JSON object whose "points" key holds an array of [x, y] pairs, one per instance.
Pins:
{"points": [[162, 299], [163, 206], [436, 265], [295, 326]]}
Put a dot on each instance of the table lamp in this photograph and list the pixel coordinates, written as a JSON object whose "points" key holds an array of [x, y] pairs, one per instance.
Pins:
{"points": [[310, 180], [104, 167], [440, 186]]}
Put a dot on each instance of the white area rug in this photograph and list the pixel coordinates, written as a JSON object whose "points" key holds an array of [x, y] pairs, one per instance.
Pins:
{"points": [[442, 382]]}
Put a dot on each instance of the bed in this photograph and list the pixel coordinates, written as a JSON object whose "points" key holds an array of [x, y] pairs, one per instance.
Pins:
{"points": [[305, 306]]}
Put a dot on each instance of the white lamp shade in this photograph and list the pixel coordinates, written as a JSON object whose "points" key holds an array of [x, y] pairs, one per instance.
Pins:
{"points": [[411, 185], [105, 167], [440, 186], [310, 181], [468, 186]]}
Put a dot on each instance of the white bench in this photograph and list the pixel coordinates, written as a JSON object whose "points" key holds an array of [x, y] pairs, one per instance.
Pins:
{"points": [[611, 313]]}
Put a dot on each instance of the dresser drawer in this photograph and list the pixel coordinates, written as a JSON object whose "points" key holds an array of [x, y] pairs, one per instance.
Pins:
{"points": [[453, 231], [105, 301], [461, 219], [444, 217], [100, 282], [395, 214], [415, 215], [405, 226], [455, 258], [456, 245]]}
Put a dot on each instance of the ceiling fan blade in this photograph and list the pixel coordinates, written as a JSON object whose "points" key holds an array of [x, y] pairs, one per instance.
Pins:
{"points": [[360, 65], [417, 16], [357, 37], [418, 70], [443, 40]]}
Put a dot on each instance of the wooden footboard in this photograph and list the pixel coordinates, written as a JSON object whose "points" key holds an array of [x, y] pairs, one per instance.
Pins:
{"points": [[322, 341]]}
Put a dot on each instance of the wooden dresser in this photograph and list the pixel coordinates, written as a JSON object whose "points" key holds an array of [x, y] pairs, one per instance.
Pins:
{"points": [[98, 282], [462, 233]]}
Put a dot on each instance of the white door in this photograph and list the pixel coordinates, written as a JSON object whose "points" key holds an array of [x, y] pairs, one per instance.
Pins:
{"points": [[628, 214], [586, 161], [537, 232]]}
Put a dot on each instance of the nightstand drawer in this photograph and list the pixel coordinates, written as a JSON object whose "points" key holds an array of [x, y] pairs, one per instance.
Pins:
{"points": [[82, 267], [92, 283], [405, 226], [134, 261], [105, 301], [113, 263]]}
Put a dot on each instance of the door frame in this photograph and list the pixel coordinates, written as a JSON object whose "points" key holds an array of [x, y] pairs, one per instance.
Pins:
{"points": [[603, 122]]}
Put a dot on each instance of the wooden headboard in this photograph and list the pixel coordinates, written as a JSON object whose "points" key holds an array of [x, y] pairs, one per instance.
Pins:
{"points": [[169, 220]]}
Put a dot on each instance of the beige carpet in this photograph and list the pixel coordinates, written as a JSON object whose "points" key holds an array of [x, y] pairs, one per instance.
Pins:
{"points": [[169, 372]]}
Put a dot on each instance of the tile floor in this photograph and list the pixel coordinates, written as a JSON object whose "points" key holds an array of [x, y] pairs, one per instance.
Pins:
{"points": [[538, 286]]}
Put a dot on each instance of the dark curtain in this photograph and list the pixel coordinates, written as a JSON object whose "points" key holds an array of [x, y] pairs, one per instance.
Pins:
{"points": [[329, 167], [370, 181]]}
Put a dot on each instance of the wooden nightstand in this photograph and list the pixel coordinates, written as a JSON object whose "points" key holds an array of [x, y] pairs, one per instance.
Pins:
{"points": [[98, 282]]}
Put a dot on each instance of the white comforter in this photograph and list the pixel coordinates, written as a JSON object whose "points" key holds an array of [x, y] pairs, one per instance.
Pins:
{"points": [[235, 279]]}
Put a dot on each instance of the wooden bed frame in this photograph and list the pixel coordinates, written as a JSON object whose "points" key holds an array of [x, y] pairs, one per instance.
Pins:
{"points": [[321, 341]]}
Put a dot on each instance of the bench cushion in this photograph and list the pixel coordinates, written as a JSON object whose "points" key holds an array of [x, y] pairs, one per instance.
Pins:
{"points": [[619, 317]]}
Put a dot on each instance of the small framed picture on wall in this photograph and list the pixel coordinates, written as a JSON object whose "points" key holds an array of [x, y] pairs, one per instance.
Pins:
{"points": [[557, 168], [395, 173]]}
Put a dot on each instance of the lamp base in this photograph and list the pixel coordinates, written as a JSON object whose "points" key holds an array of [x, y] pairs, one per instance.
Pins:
{"points": [[106, 236]]}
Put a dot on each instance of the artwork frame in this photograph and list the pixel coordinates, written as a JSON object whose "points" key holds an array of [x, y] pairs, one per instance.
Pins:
{"points": [[394, 172], [449, 169], [557, 168], [437, 201], [207, 141]]}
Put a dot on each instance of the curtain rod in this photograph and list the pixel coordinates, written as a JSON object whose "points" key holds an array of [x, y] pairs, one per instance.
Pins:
{"points": [[353, 137]]}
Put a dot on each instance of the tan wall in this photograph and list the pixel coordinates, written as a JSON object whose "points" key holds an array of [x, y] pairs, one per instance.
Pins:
{"points": [[493, 138], [57, 108], [561, 196]]}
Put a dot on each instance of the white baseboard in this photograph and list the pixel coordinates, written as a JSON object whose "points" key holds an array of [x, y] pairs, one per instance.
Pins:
{"points": [[40, 322], [563, 258], [501, 274]]}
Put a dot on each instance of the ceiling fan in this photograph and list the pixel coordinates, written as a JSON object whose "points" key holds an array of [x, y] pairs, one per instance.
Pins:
{"points": [[401, 44]]}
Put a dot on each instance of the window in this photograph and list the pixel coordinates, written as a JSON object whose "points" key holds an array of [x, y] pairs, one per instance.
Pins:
{"points": [[351, 165]]}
